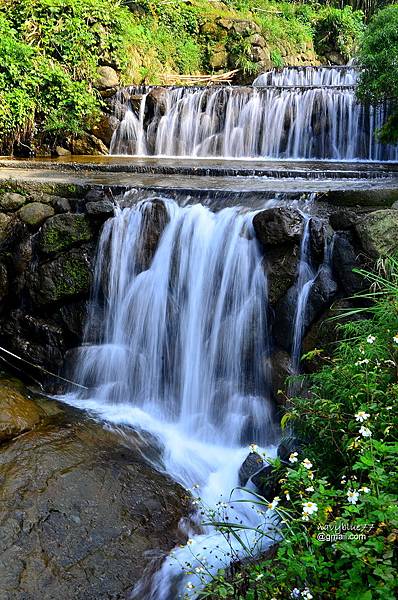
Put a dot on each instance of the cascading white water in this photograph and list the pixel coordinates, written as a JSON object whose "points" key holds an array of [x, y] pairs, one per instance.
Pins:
{"points": [[294, 113], [183, 354]]}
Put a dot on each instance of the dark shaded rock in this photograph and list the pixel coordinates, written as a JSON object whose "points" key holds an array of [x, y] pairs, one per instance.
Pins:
{"points": [[281, 370], [319, 235], [104, 128], [64, 231], [251, 465], [343, 219], [97, 194], [154, 221], [66, 277], [156, 102], [278, 226], [344, 260], [82, 513], [103, 209], [280, 263], [35, 339], [362, 198], [74, 315], [322, 292], [378, 232], [3, 281], [35, 213], [10, 201], [61, 205]]}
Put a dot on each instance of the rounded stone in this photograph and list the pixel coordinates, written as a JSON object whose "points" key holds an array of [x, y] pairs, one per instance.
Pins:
{"points": [[11, 201], [35, 213]]}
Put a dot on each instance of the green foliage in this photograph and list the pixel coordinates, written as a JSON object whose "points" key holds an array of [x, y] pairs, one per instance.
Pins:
{"points": [[378, 57], [337, 506], [338, 30]]}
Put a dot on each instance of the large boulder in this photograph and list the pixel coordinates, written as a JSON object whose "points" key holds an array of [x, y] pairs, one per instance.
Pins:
{"points": [[64, 231], [278, 225], [107, 78], [344, 260], [66, 277], [155, 220], [378, 232], [5, 224], [82, 513], [35, 213], [88, 144]]}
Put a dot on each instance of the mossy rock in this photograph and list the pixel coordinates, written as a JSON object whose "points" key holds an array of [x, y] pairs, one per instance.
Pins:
{"points": [[11, 201], [18, 413], [35, 213], [5, 221], [64, 231], [68, 276], [378, 232]]}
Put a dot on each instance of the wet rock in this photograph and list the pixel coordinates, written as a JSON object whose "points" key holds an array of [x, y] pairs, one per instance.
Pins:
{"points": [[321, 294], [102, 209], [362, 198], [319, 235], [104, 128], [156, 102], [378, 232], [344, 260], [251, 465], [64, 231], [278, 225], [18, 413], [82, 513], [61, 205], [66, 277], [154, 221], [107, 78], [11, 201], [74, 315], [280, 263], [35, 213]]}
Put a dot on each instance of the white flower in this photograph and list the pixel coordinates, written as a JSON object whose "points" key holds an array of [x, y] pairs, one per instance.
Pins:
{"points": [[287, 495], [364, 489], [259, 576], [306, 463], [305, 517], [361, 416], [293, 457], [199, 569], [310, 475], [310, 488], [190, 585], [371, 339], [352, 496], [306, 594], [395, 338], [309, 508], [253, 448], [365, 431], [190, 542], [295, 593], [365, 361], [272, 505]]}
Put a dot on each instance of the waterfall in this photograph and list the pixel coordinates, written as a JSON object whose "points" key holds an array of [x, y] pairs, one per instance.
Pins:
{"points": [[182, 353], [295, 113]]}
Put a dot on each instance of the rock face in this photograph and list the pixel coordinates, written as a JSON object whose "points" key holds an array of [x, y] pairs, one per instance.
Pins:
{"points": [[155, 221], [107, 78], [11, 201], [18, 412], [378, 232], [64, 231], [35, 213], [81, 513]]}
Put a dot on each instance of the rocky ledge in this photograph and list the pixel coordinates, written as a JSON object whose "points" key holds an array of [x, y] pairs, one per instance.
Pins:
{"points": [[82, 514]]}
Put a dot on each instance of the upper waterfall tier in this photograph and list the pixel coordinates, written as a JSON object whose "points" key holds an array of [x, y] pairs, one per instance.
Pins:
{"points": [[295, 113]]}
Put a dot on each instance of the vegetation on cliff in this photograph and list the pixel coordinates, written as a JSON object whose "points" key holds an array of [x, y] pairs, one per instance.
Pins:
{"points": [[378, 58], [56, 55]]}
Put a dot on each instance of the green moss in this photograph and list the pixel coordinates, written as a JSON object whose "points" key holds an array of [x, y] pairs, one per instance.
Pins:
{"points": [[76, 278], [64, 231]]}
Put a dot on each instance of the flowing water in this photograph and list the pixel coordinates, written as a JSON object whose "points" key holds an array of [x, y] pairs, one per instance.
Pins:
{"points": [[307, 113]]}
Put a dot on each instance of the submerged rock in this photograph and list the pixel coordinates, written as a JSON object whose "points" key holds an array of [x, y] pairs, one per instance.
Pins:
{"points": [[18, 412], [82, 513]]}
